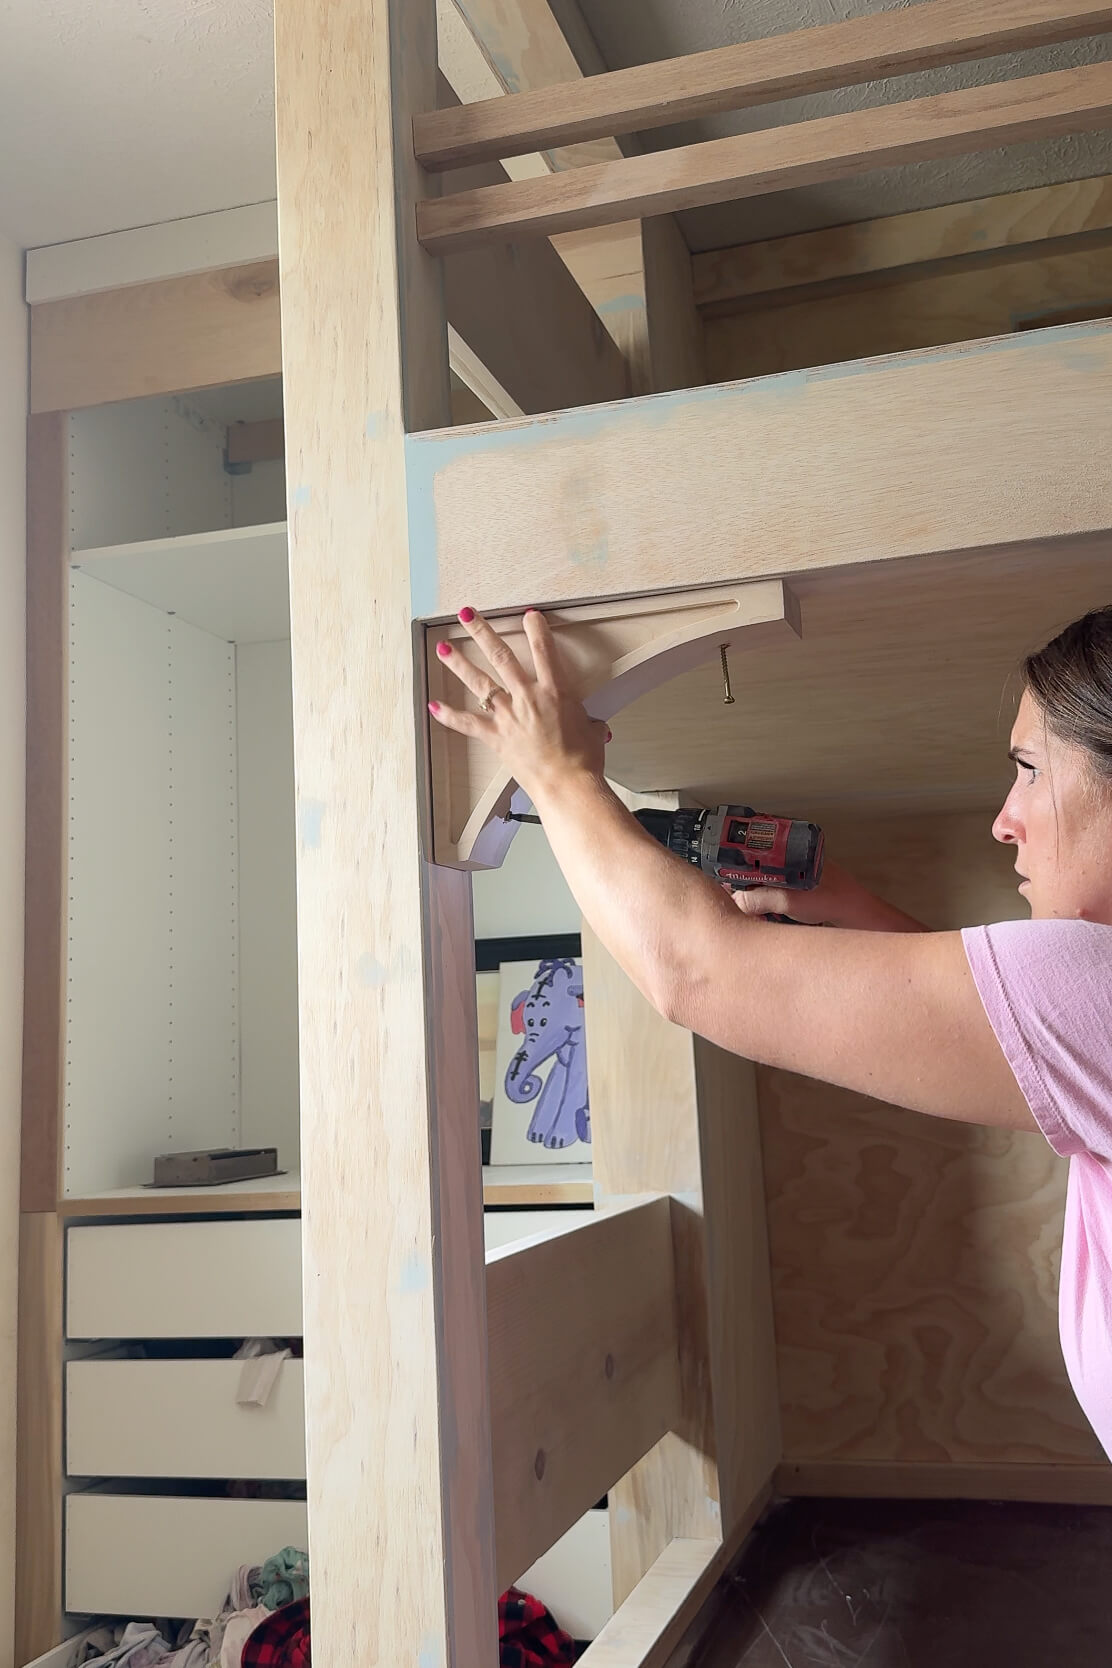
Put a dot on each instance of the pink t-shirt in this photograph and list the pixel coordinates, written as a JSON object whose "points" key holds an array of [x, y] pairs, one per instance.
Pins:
{"points": [[1047, 990]]}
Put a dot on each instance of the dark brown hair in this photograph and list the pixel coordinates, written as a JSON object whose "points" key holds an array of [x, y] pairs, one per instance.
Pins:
{"points": [[1071, 680]]}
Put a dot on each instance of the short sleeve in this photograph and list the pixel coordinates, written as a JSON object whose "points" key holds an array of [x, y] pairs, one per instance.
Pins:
{"points": [[1046, 987]]}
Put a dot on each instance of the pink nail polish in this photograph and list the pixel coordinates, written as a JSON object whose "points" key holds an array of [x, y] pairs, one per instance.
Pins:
{"points": [[609, 735], [434, 706], [466, 615], [443, 650], [532, 610]]}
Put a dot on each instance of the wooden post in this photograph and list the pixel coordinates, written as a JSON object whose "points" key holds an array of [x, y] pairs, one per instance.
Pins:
{"points": [[399, 1468]]}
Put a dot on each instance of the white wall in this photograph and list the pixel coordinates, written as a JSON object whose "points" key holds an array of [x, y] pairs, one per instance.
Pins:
{"points": [[13, 419], [528, 894]]}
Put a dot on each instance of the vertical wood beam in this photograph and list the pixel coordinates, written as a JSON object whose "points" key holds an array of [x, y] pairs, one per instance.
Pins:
{"points": [[672, 1114], [399, 1468], [38, 1478]]}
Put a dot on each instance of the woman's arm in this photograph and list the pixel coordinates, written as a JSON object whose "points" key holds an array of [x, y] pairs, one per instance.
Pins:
{"points": [[837, 901], [891, 1014]]}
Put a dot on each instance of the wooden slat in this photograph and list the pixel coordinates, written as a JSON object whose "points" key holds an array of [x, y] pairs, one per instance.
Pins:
{"points": [[201, 331], [256, 442], [806, 61], [775, 159], [395, 1314], [647, 1627], [994, 443], [44, 968], [584, 1372], [38, 1542], [1064, 1484], [1037, 220]]}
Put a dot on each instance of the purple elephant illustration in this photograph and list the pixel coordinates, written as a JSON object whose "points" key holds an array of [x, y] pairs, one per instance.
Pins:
{"points": [[549, 1018]]}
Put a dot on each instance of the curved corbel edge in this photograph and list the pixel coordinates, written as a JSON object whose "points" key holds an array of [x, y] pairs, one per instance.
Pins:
{"points": [[764, 611]]}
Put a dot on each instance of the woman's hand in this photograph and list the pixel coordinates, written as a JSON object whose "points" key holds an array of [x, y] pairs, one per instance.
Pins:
{"points": [[837, 901], [534, 723]]}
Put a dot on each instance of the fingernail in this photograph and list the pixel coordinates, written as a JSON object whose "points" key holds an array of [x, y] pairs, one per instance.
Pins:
{"points": [[532, 610], [466, 615], [609, 735], [434, 706], [443, 650]]}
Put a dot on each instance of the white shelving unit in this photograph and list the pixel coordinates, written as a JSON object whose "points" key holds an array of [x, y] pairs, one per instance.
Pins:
{"points": [[181, 1025]]}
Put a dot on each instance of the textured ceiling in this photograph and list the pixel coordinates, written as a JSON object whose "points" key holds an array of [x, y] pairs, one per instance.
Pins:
{"points": [[640, 31], [118, 113]]}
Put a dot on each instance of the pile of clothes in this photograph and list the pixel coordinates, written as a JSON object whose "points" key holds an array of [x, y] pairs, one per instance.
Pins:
{"points": [[264, 1623]]}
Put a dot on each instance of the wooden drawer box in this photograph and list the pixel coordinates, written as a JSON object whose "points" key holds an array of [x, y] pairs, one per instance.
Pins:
{"points": [[237, 1279], [167, 1555], [180, 1419]]}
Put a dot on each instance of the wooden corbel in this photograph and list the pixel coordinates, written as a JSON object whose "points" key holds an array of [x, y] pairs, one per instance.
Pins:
{"points": [[614, 652]]}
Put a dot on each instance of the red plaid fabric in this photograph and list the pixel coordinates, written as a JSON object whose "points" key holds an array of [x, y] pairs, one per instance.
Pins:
{"points": [[527, 1635], [281, 1640]]}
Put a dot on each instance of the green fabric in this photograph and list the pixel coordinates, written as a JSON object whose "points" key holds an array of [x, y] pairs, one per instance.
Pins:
{"points": [[285, 1577]]}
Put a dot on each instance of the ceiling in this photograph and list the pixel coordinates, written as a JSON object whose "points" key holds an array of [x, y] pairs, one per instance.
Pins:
{"points": [[118, 113]]}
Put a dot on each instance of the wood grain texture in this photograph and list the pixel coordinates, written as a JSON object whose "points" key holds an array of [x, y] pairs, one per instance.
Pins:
{"points": [[580, 1389], [47, 778], [1067, 1484], [778, 476], [673, 1115], [971, 300], [201, 331], [775, 159], [1034, 220], [791, 65], [395, 1322], [611, 655], [914, 1260], [674, 327], [38, 1572], [646, 1628]]}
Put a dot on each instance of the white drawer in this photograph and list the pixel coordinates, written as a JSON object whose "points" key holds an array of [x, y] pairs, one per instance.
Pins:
{"points": [[167, 1555], [238, 1279], [573, 1578], [181, 1419]]}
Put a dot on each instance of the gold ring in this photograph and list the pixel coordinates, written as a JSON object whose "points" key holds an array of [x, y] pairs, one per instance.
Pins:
{"points": [[487, 703]]}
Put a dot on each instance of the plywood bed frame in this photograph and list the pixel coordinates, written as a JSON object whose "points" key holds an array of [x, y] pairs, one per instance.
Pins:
{"points": [[460, 1420]]}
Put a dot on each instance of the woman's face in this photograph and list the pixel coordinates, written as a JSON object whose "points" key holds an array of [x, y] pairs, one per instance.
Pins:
{"points": [[1059, 818]]}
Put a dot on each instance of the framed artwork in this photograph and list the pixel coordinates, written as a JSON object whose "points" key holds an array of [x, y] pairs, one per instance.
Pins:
{"points": [[539, 1105]]}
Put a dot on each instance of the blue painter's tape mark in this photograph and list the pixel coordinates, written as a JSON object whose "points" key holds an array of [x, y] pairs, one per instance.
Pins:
{"points": [[424, 571], [300, 496], [310, 817], [429, 1655], [374, 425], [620, 304], [370, 972], [414, 1276]]}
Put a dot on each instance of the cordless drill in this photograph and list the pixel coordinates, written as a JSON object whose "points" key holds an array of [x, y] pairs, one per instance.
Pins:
{"points": [[740, 847]]}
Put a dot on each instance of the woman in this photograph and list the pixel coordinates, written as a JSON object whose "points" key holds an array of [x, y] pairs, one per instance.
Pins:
{"points": [[1009, 1025]]}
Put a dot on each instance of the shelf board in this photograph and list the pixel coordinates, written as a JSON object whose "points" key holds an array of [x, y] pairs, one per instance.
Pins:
{"points": [[538, 1184], [504, 1184], [233, 583]]}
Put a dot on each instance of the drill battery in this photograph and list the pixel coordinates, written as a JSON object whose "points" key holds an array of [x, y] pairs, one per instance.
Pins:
{"points": [[740, 847]]}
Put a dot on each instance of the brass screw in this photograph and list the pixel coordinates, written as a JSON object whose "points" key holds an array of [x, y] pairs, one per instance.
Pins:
{"points": [[728, 698]]}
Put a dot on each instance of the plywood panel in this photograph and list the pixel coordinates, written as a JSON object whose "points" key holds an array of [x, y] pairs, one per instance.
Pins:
{"points": [[926, 312], [38, 1570], [915, 1261]]}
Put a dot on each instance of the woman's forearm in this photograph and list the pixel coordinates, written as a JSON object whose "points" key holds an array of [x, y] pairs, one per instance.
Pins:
{"points": [[613, 867]]}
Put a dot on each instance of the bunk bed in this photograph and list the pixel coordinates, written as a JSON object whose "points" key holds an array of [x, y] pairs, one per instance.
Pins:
{"points": [[840, 530]]}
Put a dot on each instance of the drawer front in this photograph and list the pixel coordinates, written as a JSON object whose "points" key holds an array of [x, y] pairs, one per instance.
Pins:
{"points": [[167, 1555], [573, 1578], [238, 1279], [181, 1419]]}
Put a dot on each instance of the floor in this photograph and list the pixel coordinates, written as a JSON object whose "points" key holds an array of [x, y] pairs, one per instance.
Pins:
{"points": [[921, 1584]]}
